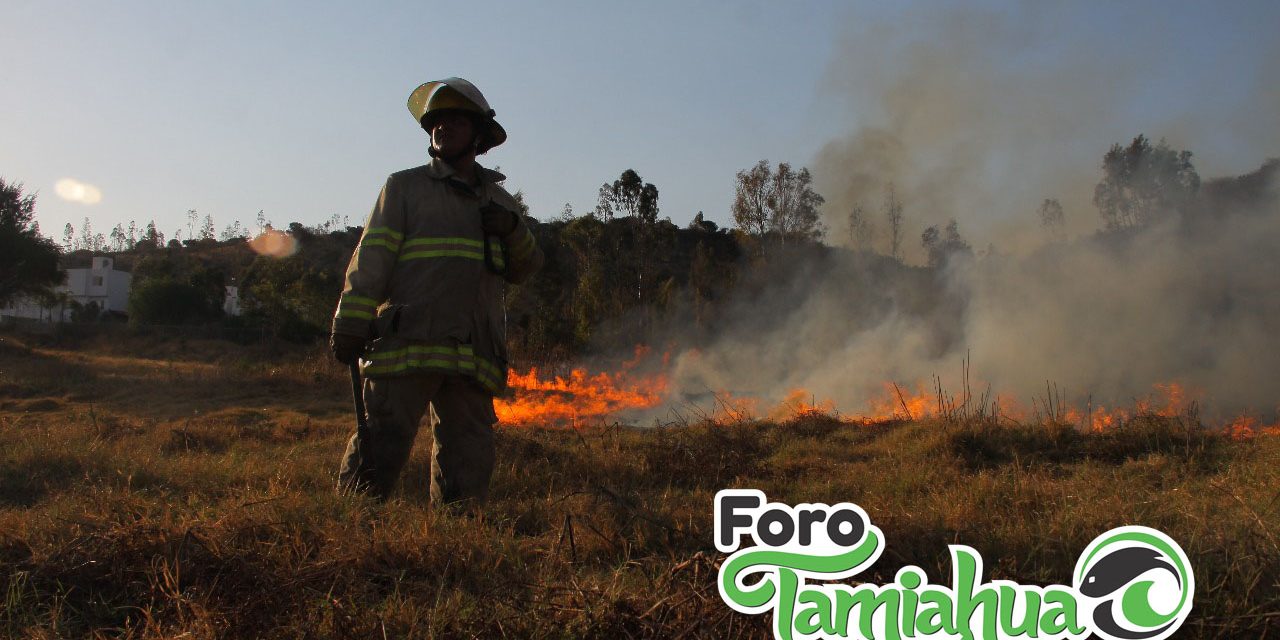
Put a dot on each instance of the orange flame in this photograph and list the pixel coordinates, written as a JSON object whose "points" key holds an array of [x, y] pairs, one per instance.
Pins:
{"points": [[897, 403], [1244, 427], [1169, 400], [580, 396], [800, 402]]}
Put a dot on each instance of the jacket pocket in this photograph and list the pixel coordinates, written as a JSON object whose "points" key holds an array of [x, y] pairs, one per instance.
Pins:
{"points": [[415, 322], [388, 321]]}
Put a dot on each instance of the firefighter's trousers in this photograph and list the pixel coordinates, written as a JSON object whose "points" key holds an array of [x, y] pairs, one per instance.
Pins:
{"points": [[462, 441]]}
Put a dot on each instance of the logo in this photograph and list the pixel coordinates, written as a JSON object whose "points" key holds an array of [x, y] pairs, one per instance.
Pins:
{"points": [[1140, 581], [1130, 583]]}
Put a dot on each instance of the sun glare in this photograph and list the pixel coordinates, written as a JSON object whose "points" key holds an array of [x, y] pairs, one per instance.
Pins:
{"points": [[274, 243], [75, 191]]}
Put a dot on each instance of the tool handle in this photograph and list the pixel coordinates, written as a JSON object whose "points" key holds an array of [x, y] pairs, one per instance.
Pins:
{"points": [[357, 392]]}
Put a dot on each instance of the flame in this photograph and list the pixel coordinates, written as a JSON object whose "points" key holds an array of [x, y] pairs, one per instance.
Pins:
{"points": [[1244, 427], [897, 403], [580, 396], [1168, 400], [732, 408], [583, 396], [800, 402]]}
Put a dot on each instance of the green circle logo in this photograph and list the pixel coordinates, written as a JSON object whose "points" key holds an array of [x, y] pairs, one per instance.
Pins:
{"points": [[1139, 581]]}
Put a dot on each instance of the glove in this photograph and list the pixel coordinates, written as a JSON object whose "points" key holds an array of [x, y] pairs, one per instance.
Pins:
{"points": [[346, 348], [497, 220]]}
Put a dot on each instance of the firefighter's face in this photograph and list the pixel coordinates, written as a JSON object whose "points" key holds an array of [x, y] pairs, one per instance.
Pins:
{"points": [[453, 134]]}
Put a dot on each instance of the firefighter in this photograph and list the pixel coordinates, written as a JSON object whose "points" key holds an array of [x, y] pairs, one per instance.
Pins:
{"points": [[422, 308]]}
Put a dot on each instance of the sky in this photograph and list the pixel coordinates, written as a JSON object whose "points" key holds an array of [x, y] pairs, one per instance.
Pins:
{"points": [[298, 109]]}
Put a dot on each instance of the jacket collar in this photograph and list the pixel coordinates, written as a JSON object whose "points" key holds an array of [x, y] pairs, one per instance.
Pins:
{"points": [[440, 170]]}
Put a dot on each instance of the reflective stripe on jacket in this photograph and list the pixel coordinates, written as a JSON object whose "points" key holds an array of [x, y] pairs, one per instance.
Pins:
{"points": [[422, 281]]}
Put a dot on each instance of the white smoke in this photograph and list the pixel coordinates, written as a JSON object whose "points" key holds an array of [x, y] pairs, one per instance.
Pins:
{"points": [[1103, 319], [951, 118]]}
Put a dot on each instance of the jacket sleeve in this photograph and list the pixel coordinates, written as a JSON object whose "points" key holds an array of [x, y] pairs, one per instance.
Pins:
{"points": [[523, 255], [371, 265]]}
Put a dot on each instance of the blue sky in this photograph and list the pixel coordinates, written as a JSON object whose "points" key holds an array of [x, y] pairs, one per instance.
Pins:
{"points": [[298, 109]]}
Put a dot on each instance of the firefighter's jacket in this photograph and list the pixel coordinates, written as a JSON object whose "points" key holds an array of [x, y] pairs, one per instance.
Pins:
{"points": [[427, 286]]}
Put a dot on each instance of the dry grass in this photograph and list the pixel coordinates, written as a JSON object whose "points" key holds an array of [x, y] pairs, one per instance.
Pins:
{"points": [[189, 492]]}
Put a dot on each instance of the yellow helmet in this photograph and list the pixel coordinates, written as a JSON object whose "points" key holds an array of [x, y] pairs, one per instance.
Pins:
{"points": [[456, 94]]}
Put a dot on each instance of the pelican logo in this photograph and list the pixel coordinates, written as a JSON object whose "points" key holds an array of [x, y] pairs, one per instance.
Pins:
{"points": [[1140, 582]]}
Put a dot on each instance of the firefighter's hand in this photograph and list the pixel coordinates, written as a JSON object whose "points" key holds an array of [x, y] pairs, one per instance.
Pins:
{"points": [[346, 348], [497, 220]]}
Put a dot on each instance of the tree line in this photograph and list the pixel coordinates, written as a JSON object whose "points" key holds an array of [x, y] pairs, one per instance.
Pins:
{"points": [[613, 275], [128, 237]]}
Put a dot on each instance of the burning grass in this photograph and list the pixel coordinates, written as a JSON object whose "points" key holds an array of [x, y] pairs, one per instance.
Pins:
{"points": [[640, 386], [581, 396], [155, 497]]}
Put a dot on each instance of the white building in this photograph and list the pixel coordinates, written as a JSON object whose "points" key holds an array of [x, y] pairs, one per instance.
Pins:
{"points": [[101, 283]]}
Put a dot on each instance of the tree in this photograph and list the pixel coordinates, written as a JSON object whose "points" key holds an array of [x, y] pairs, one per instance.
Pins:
{"points": [[795, 205], [55, 302], [860, 231], [118, 238], [28, 260], [292, 297], [68, 237], [750, 201], [85, 239], [207, 230], [893, 215], [167, 302], [636, 202], [700, 223], [701, 283], [1141, 183], [629, 196], [90, 312], [584, 238], [334, 223], [566, 213], [942, 246], [151, 237], [1053, 219], [782, 202], [518, 196], [233, 231]]}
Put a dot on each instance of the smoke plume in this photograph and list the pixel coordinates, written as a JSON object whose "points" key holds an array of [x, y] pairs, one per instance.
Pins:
{"points": [[972, 119]]}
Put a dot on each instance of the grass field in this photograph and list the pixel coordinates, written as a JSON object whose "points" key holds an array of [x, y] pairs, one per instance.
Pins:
{"points": [[188, 493]]}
